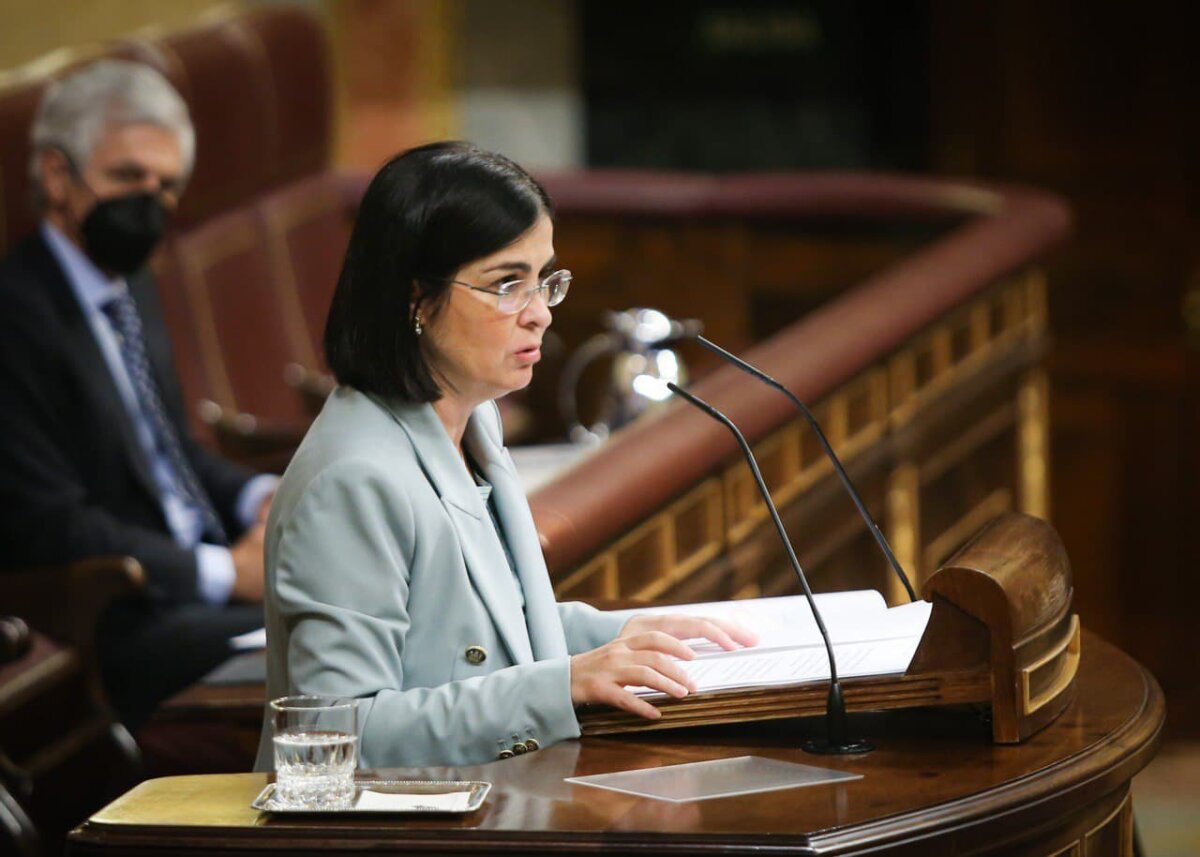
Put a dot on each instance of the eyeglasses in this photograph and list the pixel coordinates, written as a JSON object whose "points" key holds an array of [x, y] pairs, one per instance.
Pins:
{"points": [[513, 296]]}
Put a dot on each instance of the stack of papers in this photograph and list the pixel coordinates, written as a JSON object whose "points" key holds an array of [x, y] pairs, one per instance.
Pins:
{"points": [[250, 641], [869, 639]]}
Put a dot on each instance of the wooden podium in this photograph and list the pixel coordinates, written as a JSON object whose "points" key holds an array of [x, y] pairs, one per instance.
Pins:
{"points": [[1001, 634], [1039, 764], [936, 784]]}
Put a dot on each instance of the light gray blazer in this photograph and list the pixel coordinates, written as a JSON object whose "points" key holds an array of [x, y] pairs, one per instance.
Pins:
{"points": [[383, 567]]}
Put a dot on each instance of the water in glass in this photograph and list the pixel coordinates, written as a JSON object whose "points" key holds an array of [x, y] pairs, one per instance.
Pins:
{"points": [[315, 769], [316, 751]]}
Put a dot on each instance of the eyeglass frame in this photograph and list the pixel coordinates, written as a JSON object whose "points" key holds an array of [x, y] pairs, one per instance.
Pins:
{"points": [[541, 287]]}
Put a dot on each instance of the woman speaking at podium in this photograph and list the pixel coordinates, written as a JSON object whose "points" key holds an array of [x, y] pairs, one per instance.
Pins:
{"points": [[403, 566]]}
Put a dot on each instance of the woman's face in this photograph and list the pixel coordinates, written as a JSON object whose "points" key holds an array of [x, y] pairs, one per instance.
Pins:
{"points": [[476, 352]]}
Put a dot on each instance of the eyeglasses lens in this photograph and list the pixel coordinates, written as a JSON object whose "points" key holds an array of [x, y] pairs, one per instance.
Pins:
{"points": [[554, 287]]}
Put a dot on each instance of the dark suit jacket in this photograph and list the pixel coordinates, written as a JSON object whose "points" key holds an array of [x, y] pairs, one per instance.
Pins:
{"points": [[73, 480]]}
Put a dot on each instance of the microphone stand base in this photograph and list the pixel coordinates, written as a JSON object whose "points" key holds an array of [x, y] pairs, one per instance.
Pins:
{"points": [[823, 747]]}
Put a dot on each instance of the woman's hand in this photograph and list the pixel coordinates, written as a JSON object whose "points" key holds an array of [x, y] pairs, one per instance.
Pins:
{"points": [[642, 656], [641, 659], [727, 635]]}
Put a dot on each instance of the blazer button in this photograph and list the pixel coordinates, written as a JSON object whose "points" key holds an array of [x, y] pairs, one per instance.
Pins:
{"points": [[532, 744], [476, 655], [519, 748], [505, 754]]}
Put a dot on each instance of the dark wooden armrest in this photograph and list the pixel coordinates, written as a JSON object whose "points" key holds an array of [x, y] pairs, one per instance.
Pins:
{"points": [[313, 386], [249, 440], [65, 601]]}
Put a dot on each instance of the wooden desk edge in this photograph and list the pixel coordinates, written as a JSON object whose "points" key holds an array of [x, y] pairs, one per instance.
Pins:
{"points": [[1103, 768]]}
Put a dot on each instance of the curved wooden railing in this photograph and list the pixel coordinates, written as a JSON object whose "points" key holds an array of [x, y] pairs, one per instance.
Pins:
{"points": [[668, 495]]}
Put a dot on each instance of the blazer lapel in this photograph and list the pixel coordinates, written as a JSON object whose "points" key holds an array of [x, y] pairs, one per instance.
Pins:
{"points": [[481, 548], [541, 609], [89, 360]]}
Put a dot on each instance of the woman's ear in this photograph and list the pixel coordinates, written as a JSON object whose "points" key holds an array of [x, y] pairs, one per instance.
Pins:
{"points": [[419, 310], [414, 305]]}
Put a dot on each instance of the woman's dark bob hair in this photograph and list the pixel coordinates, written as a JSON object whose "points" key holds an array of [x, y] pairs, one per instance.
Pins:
{"points": [[426, 214]]}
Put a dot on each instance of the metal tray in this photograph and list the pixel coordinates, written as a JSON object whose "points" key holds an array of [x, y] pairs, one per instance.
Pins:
{"points": [[477, 788]]}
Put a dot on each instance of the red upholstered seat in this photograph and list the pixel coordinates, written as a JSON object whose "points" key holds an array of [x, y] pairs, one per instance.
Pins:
{"points": [[18, 102], [245, 333], [308, 226], [195, 381]]}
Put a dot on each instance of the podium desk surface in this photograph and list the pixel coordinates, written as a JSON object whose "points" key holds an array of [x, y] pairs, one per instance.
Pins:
{"points": [[935, 784]]}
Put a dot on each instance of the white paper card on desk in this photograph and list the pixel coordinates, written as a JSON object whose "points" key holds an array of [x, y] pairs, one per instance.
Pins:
{"points": [[869, 639], [249, 641], [400, 802], [740, 775]]}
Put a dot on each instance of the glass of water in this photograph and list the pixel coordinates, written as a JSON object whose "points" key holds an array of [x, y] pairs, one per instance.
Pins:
{"points": [[316, 751]]}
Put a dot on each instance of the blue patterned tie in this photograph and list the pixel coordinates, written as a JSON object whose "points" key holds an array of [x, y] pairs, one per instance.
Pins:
{"points": [[123, 314]]}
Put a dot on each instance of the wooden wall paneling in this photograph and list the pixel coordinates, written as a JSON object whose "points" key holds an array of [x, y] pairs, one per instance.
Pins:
{"points": [[595, 579], [1033, 438], [1106, 115], [793, 268], [937, 438], [395, 75], [1124, 495], [831, 542], [903, 526], [1088, 452]]}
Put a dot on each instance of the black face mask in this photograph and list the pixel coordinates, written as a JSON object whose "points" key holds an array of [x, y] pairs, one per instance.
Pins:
{"points": [[120, 233]]}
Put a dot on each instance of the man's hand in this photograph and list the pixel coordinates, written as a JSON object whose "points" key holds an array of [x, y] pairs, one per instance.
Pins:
{"points": [[264, 509], [247, 555]]}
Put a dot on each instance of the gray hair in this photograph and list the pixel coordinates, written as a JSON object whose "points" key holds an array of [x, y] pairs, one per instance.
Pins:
{"points": [[76, 110]]}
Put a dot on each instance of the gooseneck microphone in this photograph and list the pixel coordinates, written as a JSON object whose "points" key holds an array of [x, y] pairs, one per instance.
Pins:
{"points": [[836, 725], [837, 464]]}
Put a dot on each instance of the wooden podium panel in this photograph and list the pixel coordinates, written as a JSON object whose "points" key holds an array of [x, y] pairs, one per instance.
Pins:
{"points": [[937, 784]]}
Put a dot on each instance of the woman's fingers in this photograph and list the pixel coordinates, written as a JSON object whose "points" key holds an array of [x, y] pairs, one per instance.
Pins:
{"points": [[623, 699], [605, 674], [650, 654], [728, 635], [672, 669], [739, 634], [639, 675], [660, 641]]}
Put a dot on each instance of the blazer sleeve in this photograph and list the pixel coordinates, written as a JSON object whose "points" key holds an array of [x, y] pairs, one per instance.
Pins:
{"points": [[340, 578], [587, 628], [48, 517]]}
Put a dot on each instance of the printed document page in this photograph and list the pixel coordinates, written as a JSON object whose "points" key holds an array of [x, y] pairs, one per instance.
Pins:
{"points": [[869, 639]]}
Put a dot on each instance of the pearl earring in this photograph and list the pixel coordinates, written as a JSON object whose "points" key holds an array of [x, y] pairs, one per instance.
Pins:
{"points": [[417, 325]]}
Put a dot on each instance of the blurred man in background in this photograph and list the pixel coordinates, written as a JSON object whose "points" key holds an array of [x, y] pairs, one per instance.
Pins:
{"points": [[95, 454]]}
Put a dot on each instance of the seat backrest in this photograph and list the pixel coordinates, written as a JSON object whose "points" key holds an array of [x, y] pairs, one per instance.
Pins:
{"points": [[194, 376], [238, 309], [63, 755], [308, 226], [245, 334], [257, 85]]}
